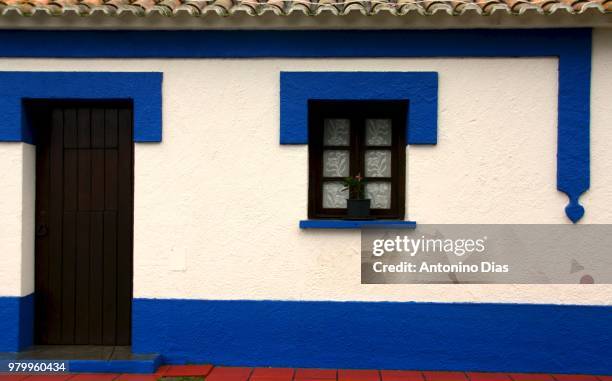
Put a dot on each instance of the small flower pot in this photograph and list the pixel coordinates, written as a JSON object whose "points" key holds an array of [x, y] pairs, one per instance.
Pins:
{"points": [[358, 208]]}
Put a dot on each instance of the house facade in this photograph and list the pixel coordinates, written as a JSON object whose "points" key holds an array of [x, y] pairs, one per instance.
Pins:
{"points": [[171, 177]]}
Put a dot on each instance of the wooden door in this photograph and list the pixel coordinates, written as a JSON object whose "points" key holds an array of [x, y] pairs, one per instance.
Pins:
{"points": [[84, 223]]}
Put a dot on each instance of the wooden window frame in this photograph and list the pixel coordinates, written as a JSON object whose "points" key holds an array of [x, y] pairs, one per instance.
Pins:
{"points": [[357, 112]]}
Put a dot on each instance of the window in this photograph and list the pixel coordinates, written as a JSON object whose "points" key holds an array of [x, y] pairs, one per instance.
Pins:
{"points": [[347, 138]]}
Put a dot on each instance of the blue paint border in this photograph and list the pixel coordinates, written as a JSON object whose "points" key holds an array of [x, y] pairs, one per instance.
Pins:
{"points": [[571, 46], [137, 365], [356, 224], [143, 89], [420, 89], [287, 43], [377, 335], [16, 322]]}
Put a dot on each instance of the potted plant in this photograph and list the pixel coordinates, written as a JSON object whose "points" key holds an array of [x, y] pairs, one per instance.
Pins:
{"points": [[358, 207]]}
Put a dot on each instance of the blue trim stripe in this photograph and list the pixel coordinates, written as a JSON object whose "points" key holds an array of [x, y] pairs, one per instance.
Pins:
{"points": [[144, 89], [356, 224], [139, 364], [573, 132], [385, 335], [16, 322], [420, 89], [253, 43]]}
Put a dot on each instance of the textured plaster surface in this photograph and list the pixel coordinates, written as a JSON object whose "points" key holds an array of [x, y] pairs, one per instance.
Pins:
{"points": [[217, 203], [599, 196], [17, 161]]}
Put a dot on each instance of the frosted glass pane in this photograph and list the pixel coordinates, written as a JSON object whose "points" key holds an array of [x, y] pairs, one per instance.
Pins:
{"points": [[378, 163], [378, 132], [335, 163], [333, 195], [336, 132], [379, 193]]}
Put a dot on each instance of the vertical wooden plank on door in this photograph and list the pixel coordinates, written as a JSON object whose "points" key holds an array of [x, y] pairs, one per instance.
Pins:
{"points": [[56, 154], [69, 226], [124, 225], [42, 126], [109, 316], [83, 227], [95, 277], [97, 227], [97, 128]]}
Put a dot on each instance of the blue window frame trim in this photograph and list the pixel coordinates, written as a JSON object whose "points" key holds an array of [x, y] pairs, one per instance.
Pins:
{"points": [[356, 224], [571, 46], [144, 89], [420, 89]]}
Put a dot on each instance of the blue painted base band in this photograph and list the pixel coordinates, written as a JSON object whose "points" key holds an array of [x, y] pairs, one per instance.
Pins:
{"points": [[356, 224], [485, 337], [16, 322], [479, 337]]}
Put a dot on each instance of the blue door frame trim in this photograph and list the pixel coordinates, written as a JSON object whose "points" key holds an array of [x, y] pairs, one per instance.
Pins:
{"points": [[143, 89], [571, 46], [420, 89]]}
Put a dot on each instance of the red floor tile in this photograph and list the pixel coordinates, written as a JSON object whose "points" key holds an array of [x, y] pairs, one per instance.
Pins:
{"points": [[401, 375], [93, 377], [570, 377], [187, 370], [531, 377], [315, 374], [272, 374], [162, 370], [478, 376], [358, 375], [445, 376], [137, 377], [223, 373]]}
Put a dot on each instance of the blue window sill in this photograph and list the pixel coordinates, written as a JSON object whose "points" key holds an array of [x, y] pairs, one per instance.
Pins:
{"points": [[356, 224]]}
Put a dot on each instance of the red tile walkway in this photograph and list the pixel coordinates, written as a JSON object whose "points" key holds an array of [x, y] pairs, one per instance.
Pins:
{"points": [[221, 373]]}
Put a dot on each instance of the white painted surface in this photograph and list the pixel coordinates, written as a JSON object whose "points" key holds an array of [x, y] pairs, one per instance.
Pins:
{"points": [[16, 219], [598, 200], [217, 203]]}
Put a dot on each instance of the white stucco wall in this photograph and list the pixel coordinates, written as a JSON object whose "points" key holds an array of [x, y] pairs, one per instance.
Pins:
{"points": [[217, 203], [17, 194]]}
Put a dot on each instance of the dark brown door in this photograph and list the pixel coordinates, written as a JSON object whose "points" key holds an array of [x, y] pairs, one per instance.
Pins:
{"points": [[84, 204]]}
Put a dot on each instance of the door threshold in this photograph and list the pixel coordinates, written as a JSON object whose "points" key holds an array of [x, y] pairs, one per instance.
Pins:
{"points": [[90, 358]]}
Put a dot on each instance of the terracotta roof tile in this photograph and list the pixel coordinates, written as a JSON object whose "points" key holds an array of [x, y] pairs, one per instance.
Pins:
{"points": [[308, 7]]}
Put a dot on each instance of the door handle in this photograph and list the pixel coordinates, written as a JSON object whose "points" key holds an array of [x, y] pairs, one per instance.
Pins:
{"points": [[42, 230]]}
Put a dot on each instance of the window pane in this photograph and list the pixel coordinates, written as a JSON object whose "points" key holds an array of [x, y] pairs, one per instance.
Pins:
{"points": [[333, 194], [336, 132], [378, 132], [378, 163], [379, 193], [335, 163]]}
